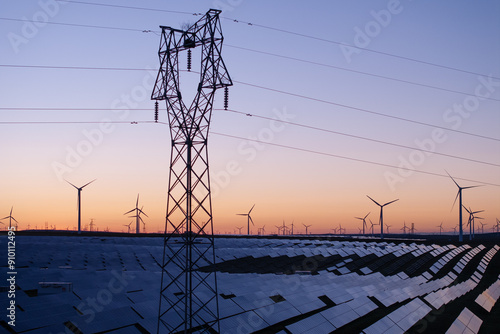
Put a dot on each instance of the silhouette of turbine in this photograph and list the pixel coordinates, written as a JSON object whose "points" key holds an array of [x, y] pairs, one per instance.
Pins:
{"points": [[11, 219], [364, 221], [79, 189], [306, 226], [459, 196], [137, 216], [249, 218], [381, 220]]}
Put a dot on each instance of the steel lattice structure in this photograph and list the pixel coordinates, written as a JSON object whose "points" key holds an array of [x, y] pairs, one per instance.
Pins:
{"points": [[188, 297]]}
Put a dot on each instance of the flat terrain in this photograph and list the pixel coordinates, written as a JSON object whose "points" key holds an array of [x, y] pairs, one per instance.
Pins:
{"points": [[109, 283]]}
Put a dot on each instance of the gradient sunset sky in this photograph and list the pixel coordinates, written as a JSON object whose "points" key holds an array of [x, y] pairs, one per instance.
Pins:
{"points": [[362, 87]]}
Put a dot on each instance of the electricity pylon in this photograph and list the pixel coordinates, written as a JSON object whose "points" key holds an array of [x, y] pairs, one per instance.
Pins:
{"points": [[188, 297]]}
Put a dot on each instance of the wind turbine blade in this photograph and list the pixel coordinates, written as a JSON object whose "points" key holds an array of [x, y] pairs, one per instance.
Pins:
{"points": [[477, 212], [466, 209], [11, 208], [71, 184], [242, 214], [470, 187], [373, 200], [452, 178], [87, 184], [14, 219], [390, 202], [137, 202], [129, 211], [367, 215], [251, 209], [5, 217], [359, 218], [455, 201], [251, 219]]}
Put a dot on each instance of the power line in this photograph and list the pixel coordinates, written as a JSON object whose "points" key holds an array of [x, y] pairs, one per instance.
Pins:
{"points": [[349, 158], [356, 47], [78, 67], [239, 21], [361, 137], [290, 94], [255, 116], [78, 25], [365, 110], [266, 143], [130, 7], [251, 50], [353, 71]]}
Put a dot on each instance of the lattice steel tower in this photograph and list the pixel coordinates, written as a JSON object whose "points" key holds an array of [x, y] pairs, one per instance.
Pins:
{"points": [[188, 297]]}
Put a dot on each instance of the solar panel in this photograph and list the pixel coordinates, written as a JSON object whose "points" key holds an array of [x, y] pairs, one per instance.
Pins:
{"points": [[466, 322]]}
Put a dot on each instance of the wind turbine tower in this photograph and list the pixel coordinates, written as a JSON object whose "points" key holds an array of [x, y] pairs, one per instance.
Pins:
{"points": [[440, 228], [364, 221], [306, 226], [459, 196], [381, 220], [188, 297], [10, 219], [249, 219], [79, 189], [137, 216]]}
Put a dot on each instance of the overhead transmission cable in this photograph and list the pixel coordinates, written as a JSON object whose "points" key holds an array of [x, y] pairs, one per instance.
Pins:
{"points": [[364, 110], [356, 47], [265, 143], [284, 31], [245, 114], [238, 21]]}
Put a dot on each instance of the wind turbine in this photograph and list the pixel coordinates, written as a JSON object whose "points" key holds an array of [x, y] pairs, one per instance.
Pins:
{"points": [[404, 228], [79, 189], [372, 224], [459, 195], [306, 226], [91, 224], [341, 229], [334, 230], [364, 221], [387, 228], [284, 228], [138, 218], [455, 230], [471, 221], [381, 220], [128, 225], [292, 227], [249, 218], [10, 219], [279, 228], [262, 230], [440, 228], [413, 229], [239, 228], [482, 226]]}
